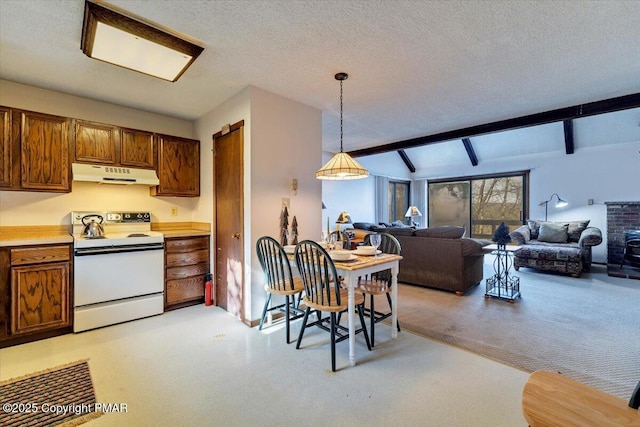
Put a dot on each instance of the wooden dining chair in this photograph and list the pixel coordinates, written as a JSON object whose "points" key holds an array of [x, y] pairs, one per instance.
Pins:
{"points": [[279, 280], [318, 273], [379, 283]]}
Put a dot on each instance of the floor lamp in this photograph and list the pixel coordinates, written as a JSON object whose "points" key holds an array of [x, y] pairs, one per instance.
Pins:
{"points": [[559, 204]]}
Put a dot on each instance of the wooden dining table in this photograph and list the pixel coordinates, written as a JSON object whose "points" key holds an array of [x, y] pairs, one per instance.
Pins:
{"points": [[366, 265], [350, 271]]}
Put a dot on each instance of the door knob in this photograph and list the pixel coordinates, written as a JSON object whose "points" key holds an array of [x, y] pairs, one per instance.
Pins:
{"points": [[236, 235]]}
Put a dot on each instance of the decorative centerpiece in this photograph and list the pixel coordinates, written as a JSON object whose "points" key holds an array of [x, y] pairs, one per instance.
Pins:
{"points": [[501, 236], [502, 284], [284, 226]]}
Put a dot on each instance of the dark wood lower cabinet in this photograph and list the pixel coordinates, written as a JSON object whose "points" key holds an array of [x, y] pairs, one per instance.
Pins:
{"points": [[186, 264], [36, 292]]}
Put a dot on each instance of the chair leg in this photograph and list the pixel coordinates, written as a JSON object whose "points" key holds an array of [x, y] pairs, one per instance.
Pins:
{"points": [[304, 325], [391, 308], [286, 315], [363, 324], [333, 341], [373, 321], [264, 310]]}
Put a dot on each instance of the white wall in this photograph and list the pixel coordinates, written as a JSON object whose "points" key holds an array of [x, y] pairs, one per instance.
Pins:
{"points": [[605, 174], [37, 208], [283, 140], [286, 143]]}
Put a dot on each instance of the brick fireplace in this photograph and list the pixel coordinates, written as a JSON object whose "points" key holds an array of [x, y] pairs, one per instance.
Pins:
{"points": [[621, 217]]}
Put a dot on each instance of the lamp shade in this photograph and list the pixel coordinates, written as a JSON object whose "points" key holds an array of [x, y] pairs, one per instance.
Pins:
{"points": [[561, 203], [344, 218], [341, 167], [412, 211]]}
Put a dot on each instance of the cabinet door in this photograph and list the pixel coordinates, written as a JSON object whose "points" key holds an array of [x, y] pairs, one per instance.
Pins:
{"points": [[5, 147], [44, 146], [96, 143], [178, 167], [137, 149], [39, 297]]}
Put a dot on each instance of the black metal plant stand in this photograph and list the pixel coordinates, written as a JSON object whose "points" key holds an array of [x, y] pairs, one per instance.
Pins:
{"points": [[502, 285]]}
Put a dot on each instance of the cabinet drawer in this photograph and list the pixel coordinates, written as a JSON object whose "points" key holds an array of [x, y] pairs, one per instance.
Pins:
{"points": [[183, 290], [21, 256], [188, 271], [187, 258], [187, 245]]}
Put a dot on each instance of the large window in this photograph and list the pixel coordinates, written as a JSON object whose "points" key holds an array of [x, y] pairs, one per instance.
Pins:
{"points": [[398, 200], [479, 203]]}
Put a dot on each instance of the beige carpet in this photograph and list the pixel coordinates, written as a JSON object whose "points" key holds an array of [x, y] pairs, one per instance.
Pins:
{"points": [[586, 328]]}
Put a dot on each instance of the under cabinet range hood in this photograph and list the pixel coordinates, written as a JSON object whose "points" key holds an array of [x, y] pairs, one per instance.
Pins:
{"points": [[113, 174]]}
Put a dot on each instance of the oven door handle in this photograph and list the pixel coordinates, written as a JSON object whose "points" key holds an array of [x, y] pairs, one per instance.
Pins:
{"points": [[118, 249]]}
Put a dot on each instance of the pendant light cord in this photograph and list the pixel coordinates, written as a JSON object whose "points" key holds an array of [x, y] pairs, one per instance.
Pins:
{"points": [[341, 116]]}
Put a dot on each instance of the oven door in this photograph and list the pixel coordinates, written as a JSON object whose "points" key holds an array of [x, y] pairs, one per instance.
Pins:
{"points": [[109, 274]]}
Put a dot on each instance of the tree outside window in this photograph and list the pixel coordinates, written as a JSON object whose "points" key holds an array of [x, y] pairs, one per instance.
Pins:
{"points": [[479, 204]]}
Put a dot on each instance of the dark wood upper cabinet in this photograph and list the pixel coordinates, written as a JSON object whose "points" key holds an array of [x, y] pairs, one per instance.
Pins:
{"points": [[178, 167], [96, 143], [137, 149], [44, 152], [36, 152]]}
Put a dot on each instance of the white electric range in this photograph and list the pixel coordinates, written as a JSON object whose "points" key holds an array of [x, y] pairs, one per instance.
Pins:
{"points": [[118, 276]]}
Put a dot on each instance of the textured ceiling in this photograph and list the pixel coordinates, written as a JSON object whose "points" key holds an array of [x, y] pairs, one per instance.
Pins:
{"points": [[415, 67]]}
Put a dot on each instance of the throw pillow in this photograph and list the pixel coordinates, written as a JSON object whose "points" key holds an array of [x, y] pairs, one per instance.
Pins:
{"points": [[399, 223], [470, 247], [400, 231], [444, 232], [534, 227], [576, 228], [552, 232], [386, 224], [363, 225]]}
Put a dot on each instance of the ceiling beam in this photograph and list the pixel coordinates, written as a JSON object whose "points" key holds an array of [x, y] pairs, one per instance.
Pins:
{"points": [[407, 161], [561, 114], [470, 151], [568, 136]]}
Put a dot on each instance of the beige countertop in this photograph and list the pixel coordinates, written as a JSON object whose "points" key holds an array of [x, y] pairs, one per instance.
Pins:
{"points": [[34, 235], [182, 229], [24, 235], [185, 232]]}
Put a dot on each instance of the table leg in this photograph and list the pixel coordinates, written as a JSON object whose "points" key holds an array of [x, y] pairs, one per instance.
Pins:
{"points": [[351, 283], [394, 300]]}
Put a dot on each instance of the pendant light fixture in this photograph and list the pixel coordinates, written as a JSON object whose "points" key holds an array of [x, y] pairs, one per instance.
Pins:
{"points": [[342, 166]]}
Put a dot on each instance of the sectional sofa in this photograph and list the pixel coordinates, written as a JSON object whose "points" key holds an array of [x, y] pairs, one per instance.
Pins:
{"points": [[437, 257]]}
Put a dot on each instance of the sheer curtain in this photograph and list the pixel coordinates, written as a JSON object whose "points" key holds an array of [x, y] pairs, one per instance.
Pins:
{"points": [[382, 199], [418, 198]]}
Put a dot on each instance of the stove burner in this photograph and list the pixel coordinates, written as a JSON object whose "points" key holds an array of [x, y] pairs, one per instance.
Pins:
{"points": [[138, 235]]}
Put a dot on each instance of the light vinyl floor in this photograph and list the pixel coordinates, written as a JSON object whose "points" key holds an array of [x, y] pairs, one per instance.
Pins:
{"points": [[199, 366]]}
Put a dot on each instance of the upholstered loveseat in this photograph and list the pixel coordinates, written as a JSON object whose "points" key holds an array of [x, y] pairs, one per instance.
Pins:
{"points": [[560, 246], [437, 257]]}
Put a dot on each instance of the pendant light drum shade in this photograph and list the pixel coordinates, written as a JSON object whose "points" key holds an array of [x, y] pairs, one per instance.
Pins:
{"points": [[342, 166]]}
